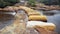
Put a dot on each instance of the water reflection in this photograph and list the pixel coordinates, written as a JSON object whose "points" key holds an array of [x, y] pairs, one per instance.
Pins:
{"points": [[52, 12], [55, 19], [5, 23], [53, 16], [6, 18]]}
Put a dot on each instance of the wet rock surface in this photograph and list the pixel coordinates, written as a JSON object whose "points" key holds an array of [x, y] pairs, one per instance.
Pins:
{"points": [[54, 18]]}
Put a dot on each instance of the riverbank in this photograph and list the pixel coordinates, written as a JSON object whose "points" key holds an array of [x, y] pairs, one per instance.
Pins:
{"points": [[46, 8]]}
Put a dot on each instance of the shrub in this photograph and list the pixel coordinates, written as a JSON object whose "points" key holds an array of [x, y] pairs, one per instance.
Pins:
{"points": [[50, 2], [31, 2], [4, 3]]}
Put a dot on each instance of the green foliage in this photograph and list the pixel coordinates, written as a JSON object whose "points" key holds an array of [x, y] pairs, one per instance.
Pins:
{"points": [[50, 2], [12, 1], [31, 2], [4, 3], [59, 2], [45, 1]]}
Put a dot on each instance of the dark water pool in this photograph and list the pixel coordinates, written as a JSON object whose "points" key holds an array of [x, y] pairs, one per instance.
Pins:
{"points": [[56, 20], [54, 17]]}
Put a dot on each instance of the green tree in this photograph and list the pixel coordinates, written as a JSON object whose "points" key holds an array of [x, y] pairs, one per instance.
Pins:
{"points": [[59, 2], [31, 2], [50, 2], [4, 3]]}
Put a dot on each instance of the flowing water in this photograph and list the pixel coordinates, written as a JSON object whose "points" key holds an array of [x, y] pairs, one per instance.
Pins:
{"points": [[53, 16], [10, 24]]}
